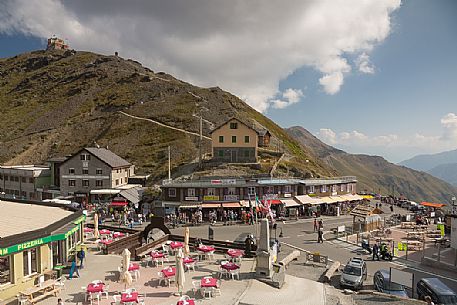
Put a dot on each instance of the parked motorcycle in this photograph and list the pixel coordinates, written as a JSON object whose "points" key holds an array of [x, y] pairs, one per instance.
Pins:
{"points": [[366, 245]]}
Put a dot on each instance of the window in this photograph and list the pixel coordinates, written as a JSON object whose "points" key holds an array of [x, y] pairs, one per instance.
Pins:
{"points": [[1, 177], [5, 270], [6, 178], [323, 189], [98, 182], [311, 189], [231, 191], [246, 153], [233, 139], [71, 171], [269, 190], [16, 179], [220, 153], [251, 190], [221, 139], [287, 189], [30, 261], [23, 179], [85, 157], [85, 171], [246, 139], [343, 187], [171, 192], [85, 182], [98, 171], [211, 191], [191, 192], [117, 181], [333, 188], [24, 194], [233, 125], [31, 180], [72, 182]]}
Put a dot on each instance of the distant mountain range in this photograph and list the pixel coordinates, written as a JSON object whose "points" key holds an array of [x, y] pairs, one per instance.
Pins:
{"points": [[442, 165], [374, 173]]}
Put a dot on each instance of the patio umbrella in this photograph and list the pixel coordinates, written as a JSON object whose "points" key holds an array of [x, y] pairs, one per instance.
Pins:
{"points": [[186, 241], [180, 275], [126, 277], [96, 235]]}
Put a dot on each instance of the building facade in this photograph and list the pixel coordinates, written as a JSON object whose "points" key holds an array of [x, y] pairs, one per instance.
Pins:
{"points": [[235, 142], [92, 169], [24, 181], [30, 249], [55, 43]]}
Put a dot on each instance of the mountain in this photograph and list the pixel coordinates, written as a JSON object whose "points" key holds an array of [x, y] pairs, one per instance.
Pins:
{"points": [[427, 162], [446, 172], [56, 102], [374, 173]]}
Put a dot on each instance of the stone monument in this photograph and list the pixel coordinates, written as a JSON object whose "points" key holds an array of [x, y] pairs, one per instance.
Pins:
{"points": [[264, 266]]}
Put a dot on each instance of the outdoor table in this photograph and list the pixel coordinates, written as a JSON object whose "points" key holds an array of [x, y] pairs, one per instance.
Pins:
{"points": [[188, 260], [134, 267], [176, 245], [92, 287], [46, 288], [106, 241], [118, 234], [230, 266], [206, 249], [157, 255], [235, 253], [129, 297], [104, 232], [208, 282], [186, 302], [88, 230], [169, 272]]}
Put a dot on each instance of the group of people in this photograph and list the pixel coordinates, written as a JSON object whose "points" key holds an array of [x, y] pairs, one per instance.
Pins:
{"points": [[381, 250], [319, 228]]}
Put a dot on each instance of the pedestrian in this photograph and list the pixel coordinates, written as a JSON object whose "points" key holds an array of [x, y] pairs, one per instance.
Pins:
{"points": [[81, 255], [321, 224], [73, 269], [392, 208], [315, 224], [59, 301], [320, 232], [376, 251], [429, 301]]}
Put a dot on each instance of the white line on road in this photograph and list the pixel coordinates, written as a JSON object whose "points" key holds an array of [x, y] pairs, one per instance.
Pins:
{"points": [[423, 271]]}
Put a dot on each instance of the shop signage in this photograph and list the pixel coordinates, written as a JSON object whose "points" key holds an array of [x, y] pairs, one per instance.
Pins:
{"points": [[210, 198], [231, 197], [270, 196], [80, 219], [191, 198], [37, 242], [287, 195], [223, 181]]}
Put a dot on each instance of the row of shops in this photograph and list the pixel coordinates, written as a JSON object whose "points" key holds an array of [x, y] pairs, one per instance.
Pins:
{"points": [[35, 239]]}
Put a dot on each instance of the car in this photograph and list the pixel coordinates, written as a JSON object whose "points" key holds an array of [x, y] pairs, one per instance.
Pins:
{"points": [[381, 282], [354, 274], [437, 290]]}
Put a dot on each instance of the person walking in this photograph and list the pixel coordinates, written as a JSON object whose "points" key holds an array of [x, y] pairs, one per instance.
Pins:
{"points": [[376, 251], [315, 224], [81, 255], [73, 269], [321, 224], [320, 233]]}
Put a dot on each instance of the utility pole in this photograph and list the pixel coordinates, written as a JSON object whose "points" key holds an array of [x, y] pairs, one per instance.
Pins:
{"points": [[201, 140], [169, 163]]}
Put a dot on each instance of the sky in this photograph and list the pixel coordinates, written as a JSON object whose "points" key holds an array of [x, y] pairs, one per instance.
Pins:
{"points": [[375, 77]]}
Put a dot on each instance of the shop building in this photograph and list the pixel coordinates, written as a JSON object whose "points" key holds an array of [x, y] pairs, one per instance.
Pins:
{"points": [[34, 239], [24, 181]]}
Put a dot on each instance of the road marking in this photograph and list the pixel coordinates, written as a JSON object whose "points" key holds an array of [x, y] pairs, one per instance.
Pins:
{"points": [[300, 235], [424, 271]]}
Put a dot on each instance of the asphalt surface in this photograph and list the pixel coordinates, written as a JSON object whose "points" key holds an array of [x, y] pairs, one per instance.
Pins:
{"points": [[300, 234]]}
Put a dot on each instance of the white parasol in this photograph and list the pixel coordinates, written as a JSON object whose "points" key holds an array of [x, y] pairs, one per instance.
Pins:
{"points": [[126, 277], [180, 274], [96, 234], [186, 241]]}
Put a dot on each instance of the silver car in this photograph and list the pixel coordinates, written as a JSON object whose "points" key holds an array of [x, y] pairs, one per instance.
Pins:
{"points": [[354, 274]]}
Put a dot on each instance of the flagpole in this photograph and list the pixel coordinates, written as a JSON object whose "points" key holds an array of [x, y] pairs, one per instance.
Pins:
{"points": [[255, 224]]}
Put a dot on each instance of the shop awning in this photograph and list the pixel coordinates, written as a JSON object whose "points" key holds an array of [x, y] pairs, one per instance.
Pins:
{"points": [[272, 201], [432, 205], [133, 194], [211, 205], [231, 205], [119, 203], [328, 199], [290, 203], [190, 205], [305, 199], [105, 192]]}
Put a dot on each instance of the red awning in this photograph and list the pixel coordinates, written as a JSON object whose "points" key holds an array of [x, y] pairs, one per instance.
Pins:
{"points": [[119, 203], [273, 201], [433, 205]]}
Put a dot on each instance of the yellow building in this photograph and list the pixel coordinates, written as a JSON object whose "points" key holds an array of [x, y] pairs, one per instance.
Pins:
{"points": [[235, 142], [34, 239]]}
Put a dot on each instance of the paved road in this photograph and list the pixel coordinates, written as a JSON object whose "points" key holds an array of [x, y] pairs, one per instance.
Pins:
{"points": [[300, 234]]}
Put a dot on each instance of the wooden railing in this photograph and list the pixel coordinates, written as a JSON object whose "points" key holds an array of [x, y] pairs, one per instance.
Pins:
{"points": [[142, 250], [113, 228], [130, 242], [218, 244]]}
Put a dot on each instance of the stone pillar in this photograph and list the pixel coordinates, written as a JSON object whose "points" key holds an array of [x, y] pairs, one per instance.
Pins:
{"points": [[264, 266]]}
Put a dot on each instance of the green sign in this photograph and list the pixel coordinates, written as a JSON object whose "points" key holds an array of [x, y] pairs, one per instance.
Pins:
{"points": [[37, 242]]}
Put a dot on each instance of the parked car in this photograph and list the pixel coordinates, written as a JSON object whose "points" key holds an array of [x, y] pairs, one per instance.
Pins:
{"points": [[381, 282], [437, 290], [354, 274]]}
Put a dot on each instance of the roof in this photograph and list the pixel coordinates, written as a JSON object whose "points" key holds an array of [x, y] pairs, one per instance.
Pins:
{"points": [[251, 126], [432, 205], [108, 157], [57, 159], [25, 167], [133, 194], [25, 217]]}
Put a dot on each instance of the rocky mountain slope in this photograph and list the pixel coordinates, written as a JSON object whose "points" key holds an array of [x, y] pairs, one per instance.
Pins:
{"points": [[55, 102], [375, 174]]}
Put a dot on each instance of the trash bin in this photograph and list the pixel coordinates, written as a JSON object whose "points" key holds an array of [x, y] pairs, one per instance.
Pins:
{"points": [[59, 270]]}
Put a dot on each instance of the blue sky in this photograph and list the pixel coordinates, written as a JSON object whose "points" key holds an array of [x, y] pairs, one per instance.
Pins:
{"points": [[299, 63]]}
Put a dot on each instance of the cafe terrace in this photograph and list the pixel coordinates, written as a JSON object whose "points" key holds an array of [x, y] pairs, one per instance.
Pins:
{"points": [[35, 238]]}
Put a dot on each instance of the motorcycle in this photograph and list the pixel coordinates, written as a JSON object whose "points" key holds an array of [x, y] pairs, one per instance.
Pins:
{"points": [[385, 254], [366, 246]]}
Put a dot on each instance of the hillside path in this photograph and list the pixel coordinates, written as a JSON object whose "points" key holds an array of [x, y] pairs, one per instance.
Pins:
{"points": [[164, 125]]}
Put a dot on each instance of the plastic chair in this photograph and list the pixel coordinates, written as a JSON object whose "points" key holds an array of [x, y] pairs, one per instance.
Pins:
{"points": [[22, 300], [161, 277], [117, 299], [196, 287], [184, 298], [130, 290], [60, 282], [235, 273], [207, 291], [93, 297], [189, 266], [105, 291]]}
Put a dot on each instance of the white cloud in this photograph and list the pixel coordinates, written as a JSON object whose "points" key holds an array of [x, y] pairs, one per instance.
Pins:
{"points": [[327, 135], [449, 123], [364, 64], [246, 47], [289, 96]]}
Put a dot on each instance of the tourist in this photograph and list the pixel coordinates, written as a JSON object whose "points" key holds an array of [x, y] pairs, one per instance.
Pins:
{"points": [[429, 300], [376, 251], [315, 224], [81, 255], [320, 234], [73, 269]]}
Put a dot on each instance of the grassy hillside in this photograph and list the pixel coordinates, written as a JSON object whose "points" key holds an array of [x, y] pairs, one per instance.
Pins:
{"points": [[55, 102], [375, 174]]}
